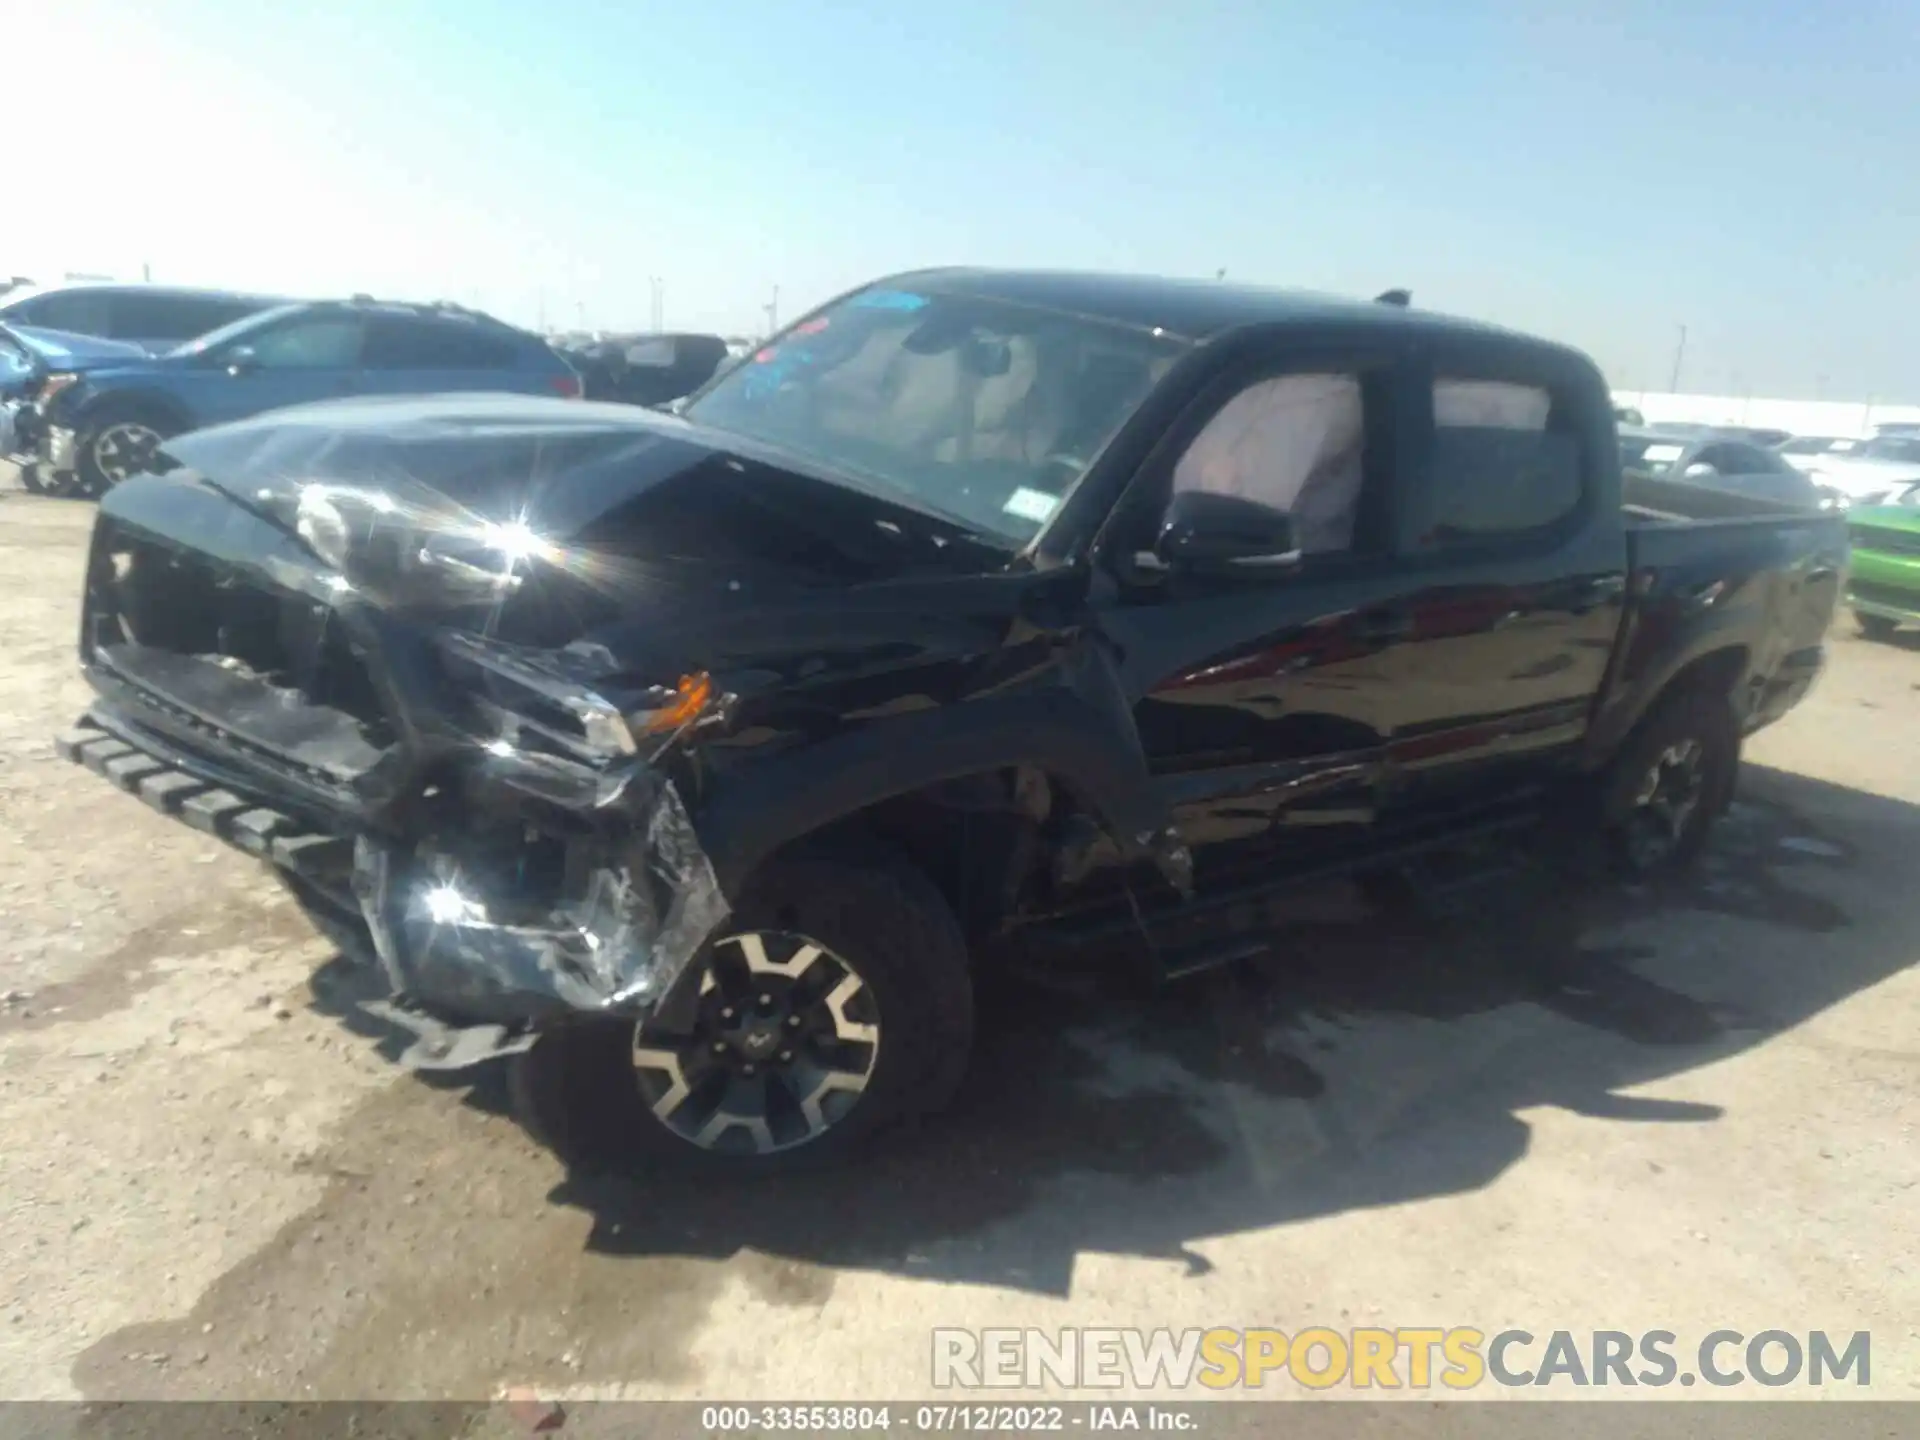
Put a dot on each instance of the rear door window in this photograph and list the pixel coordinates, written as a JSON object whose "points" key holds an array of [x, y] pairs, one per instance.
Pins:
{"points": [[397, 343], [1499, 466]]}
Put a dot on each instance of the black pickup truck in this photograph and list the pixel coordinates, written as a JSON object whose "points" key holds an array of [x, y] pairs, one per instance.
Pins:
{"points": [[697, 759]]}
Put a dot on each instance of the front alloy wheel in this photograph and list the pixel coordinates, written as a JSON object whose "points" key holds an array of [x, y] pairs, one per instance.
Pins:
{"points": [[122, 450], [786, 1038], [839, 1010]]}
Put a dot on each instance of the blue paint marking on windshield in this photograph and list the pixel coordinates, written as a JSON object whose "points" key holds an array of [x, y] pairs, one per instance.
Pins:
{"points": [[888, 300]]}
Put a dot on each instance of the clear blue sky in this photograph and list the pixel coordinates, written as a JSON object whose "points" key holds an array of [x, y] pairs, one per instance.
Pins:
{"points": [[1601, 173]]}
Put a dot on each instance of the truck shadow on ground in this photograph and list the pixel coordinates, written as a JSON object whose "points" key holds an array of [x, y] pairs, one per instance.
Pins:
{"points": [[1386, 1050], [1378, 1054]]}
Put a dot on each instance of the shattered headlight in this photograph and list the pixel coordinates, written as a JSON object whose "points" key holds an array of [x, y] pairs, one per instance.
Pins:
{"points": [[561, 699], [487, 558], [330, 518], [375, 539]]}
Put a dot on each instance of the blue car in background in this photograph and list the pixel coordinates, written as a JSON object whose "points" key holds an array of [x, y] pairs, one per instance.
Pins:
{"points": [[28, 355], [96, 424]]}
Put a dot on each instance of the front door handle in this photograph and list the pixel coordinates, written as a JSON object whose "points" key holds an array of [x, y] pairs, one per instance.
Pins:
{"points": [[1383, 626]]}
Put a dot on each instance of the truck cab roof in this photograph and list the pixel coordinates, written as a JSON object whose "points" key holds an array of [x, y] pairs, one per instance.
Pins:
{"points": [[1189, 309]]}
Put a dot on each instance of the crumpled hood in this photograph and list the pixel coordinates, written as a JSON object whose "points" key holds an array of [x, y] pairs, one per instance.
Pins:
{"points": [[553, 464], [607, 505]]}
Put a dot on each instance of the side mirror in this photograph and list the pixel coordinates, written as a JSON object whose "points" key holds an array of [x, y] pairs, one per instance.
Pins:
{"points": [[1699, 470], [1225, 534], [240, 360]]}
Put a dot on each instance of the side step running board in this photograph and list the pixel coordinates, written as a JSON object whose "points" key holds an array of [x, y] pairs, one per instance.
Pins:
{"points": [[1171, 942]]}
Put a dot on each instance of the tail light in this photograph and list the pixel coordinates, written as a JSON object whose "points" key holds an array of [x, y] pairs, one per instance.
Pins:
{"points": [[567, 386]]}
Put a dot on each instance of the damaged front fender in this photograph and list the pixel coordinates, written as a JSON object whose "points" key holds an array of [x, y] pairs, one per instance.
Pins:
{"points": [[1070, 719]]}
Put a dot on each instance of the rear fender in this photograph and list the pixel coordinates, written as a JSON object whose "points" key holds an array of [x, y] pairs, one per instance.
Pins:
{"points": [[1682, 648]]}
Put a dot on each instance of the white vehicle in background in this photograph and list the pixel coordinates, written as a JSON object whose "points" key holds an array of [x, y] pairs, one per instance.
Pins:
{"points": [[1871, 472], [1806, 452]]}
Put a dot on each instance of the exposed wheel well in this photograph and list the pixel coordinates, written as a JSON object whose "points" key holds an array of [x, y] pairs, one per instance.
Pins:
{"points": [[135, 406], [982, 839]]}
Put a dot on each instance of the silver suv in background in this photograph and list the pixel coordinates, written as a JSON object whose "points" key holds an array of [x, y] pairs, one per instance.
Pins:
{"points": [[154, 317]]}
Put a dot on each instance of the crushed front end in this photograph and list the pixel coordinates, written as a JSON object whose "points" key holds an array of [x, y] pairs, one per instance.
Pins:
{"points": [[496, 827]]}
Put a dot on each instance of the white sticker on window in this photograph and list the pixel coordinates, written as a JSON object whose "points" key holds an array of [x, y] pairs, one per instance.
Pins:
{"points": [[1661, 454], [1034, 505]]}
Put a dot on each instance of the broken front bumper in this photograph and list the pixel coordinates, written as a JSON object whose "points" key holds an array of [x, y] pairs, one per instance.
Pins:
{"points": [[498, 882], [55, 447], [468, 988]]}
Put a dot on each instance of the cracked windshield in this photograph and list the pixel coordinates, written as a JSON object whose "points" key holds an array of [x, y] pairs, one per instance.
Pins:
{"points": [[1024, 717]]}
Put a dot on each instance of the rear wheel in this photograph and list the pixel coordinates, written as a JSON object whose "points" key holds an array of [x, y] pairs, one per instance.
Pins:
{"points": [[837, 1006], [1669, 784], [1875, 627]]}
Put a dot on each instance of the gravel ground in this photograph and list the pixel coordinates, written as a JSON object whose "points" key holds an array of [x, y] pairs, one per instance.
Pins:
{"points": [[1528, 1106]]}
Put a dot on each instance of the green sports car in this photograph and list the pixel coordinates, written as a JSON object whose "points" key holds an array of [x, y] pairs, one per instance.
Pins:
{"points": [[1884, 587]]}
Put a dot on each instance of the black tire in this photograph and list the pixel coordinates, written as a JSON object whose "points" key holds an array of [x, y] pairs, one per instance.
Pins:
{"points": [[579, 1089], [1875, 627], [1690, 732], [30, 480], [117, 445], [60, 484]]}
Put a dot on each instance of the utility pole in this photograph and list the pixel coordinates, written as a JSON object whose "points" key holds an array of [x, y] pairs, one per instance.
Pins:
{"points": [[146, 271], [773, 312], [1679, 354], [657, 287]]}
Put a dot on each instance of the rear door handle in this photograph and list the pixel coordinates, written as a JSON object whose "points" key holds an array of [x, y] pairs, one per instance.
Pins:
{"points": [[1383, 626]]}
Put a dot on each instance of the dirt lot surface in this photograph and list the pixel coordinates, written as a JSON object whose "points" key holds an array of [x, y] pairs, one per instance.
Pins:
{"points": [[1526, 1105]]}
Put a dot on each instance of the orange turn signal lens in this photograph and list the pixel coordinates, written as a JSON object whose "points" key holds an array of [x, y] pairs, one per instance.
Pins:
{"points": [[691, 697]]}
